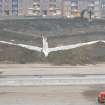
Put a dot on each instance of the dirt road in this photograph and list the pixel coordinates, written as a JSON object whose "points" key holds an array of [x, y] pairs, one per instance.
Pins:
{"points": [[44, 69], [50, 95], [62, 95]]}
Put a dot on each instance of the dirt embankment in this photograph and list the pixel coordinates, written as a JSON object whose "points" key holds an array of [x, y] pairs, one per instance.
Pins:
{"points": [[90, 54], [59, 32]]}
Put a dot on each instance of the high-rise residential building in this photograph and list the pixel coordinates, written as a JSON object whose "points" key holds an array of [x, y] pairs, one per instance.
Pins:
{"points": [[74, 8], [25, 5], [6, 9], [66, 8], [45, 8], [15, 7], [71, 8], [10, 7]]}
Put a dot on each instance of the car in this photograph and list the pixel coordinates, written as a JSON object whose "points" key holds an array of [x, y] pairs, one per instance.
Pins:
{"points": [[101, 97]]}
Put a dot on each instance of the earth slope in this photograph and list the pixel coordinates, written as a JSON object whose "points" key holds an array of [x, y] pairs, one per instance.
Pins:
{"points": [[90, 54]]}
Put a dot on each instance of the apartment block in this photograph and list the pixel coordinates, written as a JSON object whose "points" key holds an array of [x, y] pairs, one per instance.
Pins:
{"points": [[55, 7], [10, 7], [71, 8], [45, 7], [15, 7], [64, 8]]}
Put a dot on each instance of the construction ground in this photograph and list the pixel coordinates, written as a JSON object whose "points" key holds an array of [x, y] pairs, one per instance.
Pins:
{"points": [[59, 32], [21, 64]]}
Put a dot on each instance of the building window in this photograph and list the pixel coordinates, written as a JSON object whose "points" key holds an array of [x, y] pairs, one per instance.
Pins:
{"points": [[1, 2], [73, 3], [14, 7], [52, 0], [6, 12], [52, 5], [36, 0], [36, 12], [44, 12], [53, 11], [14, 1], [14, 13], [36, 5]]}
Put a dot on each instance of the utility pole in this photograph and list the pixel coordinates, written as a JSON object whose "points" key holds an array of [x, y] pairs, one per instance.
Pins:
{"points": [[90, 12]]}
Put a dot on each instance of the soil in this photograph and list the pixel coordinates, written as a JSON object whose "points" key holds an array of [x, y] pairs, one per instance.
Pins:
{"points": [[91, 54], [59, 32]]}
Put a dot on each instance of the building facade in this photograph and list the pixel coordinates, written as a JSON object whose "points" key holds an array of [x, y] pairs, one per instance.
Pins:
{"points": [[15, 7], [74, 8], [65, 8], [46, 8], [71, 8], [10, 7]]}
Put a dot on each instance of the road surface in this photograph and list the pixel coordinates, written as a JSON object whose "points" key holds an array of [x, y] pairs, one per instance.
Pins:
{"points": [[45, 69], [50, 95], [52, 80]]}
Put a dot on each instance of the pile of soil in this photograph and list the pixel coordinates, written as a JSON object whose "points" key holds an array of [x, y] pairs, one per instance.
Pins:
{"points": [[11, 54], [90, 54]]}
